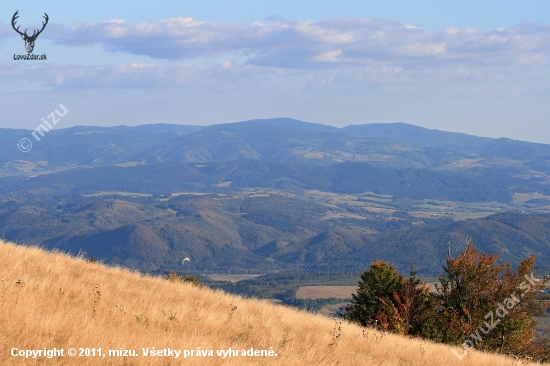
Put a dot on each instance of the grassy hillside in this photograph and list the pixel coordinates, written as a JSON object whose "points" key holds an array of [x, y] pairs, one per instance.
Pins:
{"points": [[51, 300]]}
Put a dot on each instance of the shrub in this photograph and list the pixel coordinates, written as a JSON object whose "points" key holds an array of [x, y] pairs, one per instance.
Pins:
{"points": [[389, 301], [477, 303], [489, 305], [174, 277]]}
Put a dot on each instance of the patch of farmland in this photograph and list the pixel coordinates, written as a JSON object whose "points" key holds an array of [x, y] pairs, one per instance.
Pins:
{"points": [[325, 292]]}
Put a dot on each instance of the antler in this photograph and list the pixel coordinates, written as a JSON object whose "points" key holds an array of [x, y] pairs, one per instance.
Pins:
{"points": [[43, 25], [34, 34], [15, 16]]}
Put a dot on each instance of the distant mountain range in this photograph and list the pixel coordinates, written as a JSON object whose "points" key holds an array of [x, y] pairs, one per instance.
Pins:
{"points": [[274, 195], [388, 145]]}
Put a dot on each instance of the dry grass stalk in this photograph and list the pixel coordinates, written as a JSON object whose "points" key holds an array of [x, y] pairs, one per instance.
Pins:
{"points": [[37, 315]]}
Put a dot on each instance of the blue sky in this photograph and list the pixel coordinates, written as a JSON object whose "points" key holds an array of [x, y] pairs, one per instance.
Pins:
{"points": [[479, 67]]}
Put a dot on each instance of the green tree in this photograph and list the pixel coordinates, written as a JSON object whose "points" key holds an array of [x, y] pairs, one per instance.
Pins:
{"points": [[390, 301], [417, 306], [376, 288]]}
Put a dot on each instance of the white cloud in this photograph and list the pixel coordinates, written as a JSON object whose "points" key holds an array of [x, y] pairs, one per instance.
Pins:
{"points": [[332, 71], [225, 75], [329, 56], [348, 53], [313, 44]]}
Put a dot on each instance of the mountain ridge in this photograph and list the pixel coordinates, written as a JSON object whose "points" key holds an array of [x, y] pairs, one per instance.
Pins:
{"points": [[394, 145]]}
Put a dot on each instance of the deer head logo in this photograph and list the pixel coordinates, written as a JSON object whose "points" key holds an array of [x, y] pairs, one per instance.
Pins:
{"points": [[29, 40]]}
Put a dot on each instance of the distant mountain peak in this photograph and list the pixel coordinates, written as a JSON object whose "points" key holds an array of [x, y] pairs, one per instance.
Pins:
{"points": [[296, 124]]}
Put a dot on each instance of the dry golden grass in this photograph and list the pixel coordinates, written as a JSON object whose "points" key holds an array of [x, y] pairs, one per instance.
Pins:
{"points": [[51, 300]]}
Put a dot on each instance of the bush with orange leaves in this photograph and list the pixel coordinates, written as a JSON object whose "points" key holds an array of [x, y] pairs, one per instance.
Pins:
{"points": [[477, 303]]}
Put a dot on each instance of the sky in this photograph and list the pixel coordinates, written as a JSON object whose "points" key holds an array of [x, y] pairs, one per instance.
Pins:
{"points": [[477, 67]]}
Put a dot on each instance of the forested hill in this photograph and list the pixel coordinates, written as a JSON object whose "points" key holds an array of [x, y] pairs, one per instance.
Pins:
{"points": [[167, 178], [258, 233]]}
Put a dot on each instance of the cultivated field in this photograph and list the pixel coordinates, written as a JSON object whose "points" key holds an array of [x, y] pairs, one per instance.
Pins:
{"points": [[50, 300], [232, 278], [325, 292]]}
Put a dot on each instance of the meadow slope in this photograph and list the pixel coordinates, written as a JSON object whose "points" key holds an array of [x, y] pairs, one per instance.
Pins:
{"points": [[52, 300]]}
